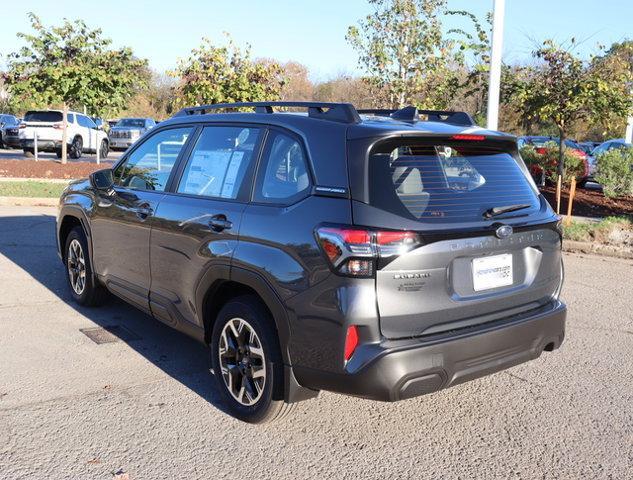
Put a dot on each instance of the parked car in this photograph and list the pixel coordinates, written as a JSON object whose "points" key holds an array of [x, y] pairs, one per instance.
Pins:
{"points": [[380, 257], [540, 144], [610, 145], [101, 123], [9, 126], [588, 146], [129, 130], [82, 133], [112, 123]]}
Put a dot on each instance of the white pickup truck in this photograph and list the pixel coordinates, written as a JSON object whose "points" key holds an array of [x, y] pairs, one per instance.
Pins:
{"points": [[83, 135]]}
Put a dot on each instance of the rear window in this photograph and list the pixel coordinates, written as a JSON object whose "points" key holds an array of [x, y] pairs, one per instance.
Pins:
{"points": [[43, 117], [448, 182]]}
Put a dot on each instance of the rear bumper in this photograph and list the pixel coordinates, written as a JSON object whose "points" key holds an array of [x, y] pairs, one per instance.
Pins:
{"points": [[43, 145], [395, 371]]}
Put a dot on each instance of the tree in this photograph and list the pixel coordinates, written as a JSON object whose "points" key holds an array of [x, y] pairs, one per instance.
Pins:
{"points": [[405, 54], [613, 72], [72, 65], [564, 90], [226, 74], [297, 85]]}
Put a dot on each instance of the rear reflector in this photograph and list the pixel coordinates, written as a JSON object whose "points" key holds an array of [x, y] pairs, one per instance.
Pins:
{"points": [[351, 341], [472, 138]]}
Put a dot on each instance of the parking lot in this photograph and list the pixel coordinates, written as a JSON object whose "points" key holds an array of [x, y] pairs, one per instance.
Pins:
{"points": [[15, 154], [70, 408]]}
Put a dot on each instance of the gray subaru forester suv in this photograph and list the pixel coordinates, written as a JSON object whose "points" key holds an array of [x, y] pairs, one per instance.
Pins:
{"points": [[382, 254]]}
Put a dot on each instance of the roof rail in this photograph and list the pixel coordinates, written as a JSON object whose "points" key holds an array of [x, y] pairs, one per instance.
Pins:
{"points": [[411, 114], [336, 112]]}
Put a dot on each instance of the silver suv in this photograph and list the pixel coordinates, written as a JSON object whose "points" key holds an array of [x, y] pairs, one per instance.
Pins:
{"points": [[129, 130]]}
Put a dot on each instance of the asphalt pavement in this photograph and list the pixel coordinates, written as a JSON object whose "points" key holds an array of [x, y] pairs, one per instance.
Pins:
{"points": [[144, 404]]}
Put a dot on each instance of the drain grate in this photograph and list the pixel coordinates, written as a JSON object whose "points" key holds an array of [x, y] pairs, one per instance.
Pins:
{"points": [[109, 334]]}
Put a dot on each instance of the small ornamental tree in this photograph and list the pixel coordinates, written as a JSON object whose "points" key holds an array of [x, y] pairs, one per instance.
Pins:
{"points": [[72, 66], [225, 74], [564, 90], [404, 53]]}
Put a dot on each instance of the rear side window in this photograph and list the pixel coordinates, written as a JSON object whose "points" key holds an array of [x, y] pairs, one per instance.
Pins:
{"points": [[219, 162], [283, 175], [43, 117], [448, 182]]}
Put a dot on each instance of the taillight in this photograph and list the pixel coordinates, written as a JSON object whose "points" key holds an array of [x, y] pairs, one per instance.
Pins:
{"points": [[22, 125], [351, 341], [58, 126], [359, 252]]}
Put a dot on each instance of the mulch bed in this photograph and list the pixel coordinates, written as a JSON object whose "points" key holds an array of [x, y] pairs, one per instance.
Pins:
{"points": [[590, 203], [48, 169]]}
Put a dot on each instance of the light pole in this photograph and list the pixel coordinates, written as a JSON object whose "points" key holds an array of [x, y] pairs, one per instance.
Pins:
{"points": [[495, 65], [628, 136]]}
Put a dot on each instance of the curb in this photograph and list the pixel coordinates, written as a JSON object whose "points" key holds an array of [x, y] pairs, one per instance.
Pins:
{"points": [[28, 202], [596, 249]]}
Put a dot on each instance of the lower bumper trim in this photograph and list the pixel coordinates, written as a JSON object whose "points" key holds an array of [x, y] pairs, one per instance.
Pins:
{"points": [[406, 372]]}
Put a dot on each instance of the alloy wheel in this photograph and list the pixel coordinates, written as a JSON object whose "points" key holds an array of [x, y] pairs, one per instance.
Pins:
{"points": [[242, 361], [76, 267]]}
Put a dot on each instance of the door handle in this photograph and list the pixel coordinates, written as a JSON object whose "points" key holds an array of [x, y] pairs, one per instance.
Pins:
{"points": [[219, 223], [144, 211]]}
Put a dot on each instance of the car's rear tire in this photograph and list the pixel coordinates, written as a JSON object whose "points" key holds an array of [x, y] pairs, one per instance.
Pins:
{"points": [[104, 149], [84, 287], [247, 362], [76, 147], [58, 152]]}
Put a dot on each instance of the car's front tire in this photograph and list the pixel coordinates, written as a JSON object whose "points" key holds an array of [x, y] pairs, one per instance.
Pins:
{"points": [[247, 361], [84, 288]]}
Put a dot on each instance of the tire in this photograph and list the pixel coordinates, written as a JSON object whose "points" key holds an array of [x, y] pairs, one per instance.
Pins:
{"points": [[58, 153], [77, 262], [262, 399], [76, 148], [104, 149], [2, 145]]}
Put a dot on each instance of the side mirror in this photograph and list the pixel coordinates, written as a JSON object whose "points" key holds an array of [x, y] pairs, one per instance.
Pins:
{"points": [[103, 180]]}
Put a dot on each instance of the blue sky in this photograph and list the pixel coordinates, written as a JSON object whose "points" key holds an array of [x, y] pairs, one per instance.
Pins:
{"points": [[311, 32]]}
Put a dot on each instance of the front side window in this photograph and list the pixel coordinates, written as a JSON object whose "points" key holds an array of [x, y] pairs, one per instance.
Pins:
{"points": [[283, 175], [219, 162], [148, 167]]}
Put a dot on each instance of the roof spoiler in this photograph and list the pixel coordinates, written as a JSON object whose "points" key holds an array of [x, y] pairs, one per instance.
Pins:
{"points": [[337, 112], [412, 114]]}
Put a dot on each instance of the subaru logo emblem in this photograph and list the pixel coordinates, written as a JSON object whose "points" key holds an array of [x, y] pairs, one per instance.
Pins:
{"points": [[504, 231]]}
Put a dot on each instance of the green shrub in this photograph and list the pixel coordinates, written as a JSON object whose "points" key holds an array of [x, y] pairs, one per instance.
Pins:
{"points": [[545, 159], [614, 172]]}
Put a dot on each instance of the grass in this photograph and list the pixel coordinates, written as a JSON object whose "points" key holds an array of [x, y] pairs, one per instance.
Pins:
{"points": [[31, 188], [595, 231]]}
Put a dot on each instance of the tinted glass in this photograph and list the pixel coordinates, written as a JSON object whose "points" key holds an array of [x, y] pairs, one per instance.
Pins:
{"points": [[219, 162], [131, 122], [448, 183], [148, 166], [85, 121], [284, 172], [43, 117]]}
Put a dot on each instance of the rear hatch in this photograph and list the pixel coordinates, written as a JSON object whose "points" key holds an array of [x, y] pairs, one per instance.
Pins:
{"points": [[47, 125], [485, 244]]}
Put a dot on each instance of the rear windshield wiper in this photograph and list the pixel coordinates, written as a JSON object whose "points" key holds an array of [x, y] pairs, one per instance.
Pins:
{"points": [[494, 211]]}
